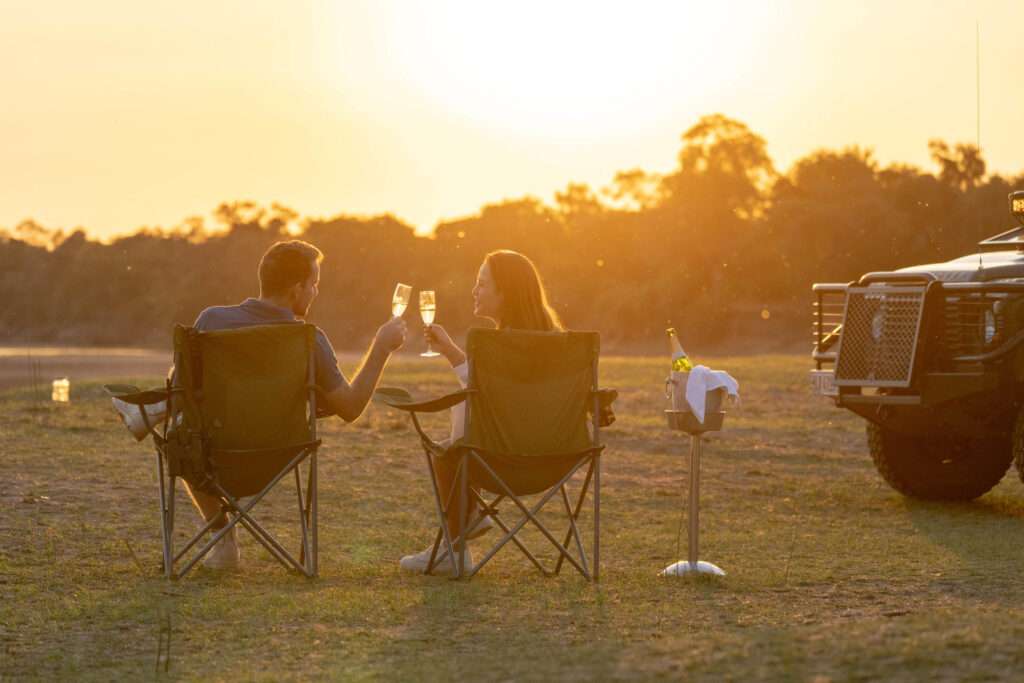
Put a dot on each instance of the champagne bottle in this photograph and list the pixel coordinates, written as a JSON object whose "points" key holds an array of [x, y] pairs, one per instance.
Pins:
{"points": [[680, 361]]}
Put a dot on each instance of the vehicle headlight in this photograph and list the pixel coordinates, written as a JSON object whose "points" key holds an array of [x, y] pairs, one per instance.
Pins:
{"points": [[990, 326], [877, 325]]}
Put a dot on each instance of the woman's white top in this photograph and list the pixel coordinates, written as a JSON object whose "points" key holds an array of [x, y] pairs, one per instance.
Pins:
{"points": [[458, 411]]}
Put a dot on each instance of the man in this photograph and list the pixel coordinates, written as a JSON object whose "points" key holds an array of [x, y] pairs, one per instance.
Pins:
{"points": [[289, 275]]}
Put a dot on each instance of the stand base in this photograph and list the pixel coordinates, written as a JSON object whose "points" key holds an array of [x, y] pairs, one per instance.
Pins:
{"points": [[682, 568]]}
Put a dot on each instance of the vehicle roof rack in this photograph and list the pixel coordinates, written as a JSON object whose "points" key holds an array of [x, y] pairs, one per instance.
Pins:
{"points": [[1011, 239]]}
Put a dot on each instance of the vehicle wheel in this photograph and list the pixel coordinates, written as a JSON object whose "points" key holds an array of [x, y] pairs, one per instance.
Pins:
{"points": [[939, 468]]}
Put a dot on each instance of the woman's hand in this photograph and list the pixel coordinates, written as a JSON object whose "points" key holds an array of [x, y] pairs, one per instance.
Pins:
{"points": [[439, 339]]}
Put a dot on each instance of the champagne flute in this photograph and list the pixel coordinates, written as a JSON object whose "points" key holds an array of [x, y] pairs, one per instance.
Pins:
{"points": [[428, 305], [400, 299]]}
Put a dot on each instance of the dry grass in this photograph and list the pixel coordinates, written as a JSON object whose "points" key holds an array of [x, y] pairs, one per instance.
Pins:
{"points": [[832, 576]]}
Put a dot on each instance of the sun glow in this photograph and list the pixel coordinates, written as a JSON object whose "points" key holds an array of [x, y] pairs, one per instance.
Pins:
{"points": [[559, 68]]}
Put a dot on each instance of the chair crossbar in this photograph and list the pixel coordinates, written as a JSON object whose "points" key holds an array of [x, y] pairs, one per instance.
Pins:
{"points": [[275, 551], [572, 528], [492, 512], [257, 530], [195, 539], [530, 515], [513, 536]]}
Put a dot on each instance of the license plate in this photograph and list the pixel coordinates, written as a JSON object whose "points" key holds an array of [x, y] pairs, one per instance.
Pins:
{"points": [[823, 382]]}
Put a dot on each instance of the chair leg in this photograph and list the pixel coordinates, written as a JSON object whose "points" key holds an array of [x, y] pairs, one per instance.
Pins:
{"points": [[576, 512], [442, 512], [307, 518], [303, 521], [460, 567], [313, 495], [166, 517], [597, 517]]}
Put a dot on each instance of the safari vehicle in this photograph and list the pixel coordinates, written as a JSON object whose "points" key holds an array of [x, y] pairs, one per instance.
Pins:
{"points": [[932, 357]]}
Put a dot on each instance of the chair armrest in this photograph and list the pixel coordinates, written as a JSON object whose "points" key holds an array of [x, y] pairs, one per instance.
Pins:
{"points": [[399, 398], [134, 395], [396, 397], [605, 398]]}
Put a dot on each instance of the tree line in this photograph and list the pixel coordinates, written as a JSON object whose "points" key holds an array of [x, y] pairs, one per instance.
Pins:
{"points": [[724, 246]]}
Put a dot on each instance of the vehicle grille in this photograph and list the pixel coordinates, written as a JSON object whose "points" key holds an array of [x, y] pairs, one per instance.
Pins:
{"points": [[880, 331]]}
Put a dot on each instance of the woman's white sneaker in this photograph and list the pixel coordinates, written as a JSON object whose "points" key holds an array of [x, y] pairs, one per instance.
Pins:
{"points": [[478, 527], [442, 564]]}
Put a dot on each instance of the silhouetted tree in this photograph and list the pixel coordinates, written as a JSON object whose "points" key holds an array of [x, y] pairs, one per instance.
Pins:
{"points": [[710, 245]]}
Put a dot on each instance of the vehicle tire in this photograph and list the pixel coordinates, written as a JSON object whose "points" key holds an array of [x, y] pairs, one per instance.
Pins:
{"points": [[939, 468], [1018, 444]]}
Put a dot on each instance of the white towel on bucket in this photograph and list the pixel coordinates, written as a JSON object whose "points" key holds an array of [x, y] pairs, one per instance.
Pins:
{"points": [[703, 379]]}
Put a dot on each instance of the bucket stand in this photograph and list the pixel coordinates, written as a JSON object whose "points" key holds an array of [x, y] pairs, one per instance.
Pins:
{"points": [[686, 421]]}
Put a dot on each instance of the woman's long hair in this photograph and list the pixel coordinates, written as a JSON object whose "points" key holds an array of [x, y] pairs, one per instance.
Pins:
{"points": [[524, 302]]}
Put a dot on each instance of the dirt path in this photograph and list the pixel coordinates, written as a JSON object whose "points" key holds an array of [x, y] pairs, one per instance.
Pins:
{"points": [[18, 365]]}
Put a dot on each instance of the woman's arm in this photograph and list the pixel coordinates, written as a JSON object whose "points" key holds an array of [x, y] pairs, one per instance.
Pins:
{"points": [[440, 340]]}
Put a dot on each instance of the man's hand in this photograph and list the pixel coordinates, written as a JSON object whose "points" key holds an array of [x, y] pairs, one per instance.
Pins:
{"points": [[349, 400], [391, 335]]}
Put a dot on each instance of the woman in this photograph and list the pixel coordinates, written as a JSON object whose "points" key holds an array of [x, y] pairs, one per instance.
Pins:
{"points": [[509, 292]]}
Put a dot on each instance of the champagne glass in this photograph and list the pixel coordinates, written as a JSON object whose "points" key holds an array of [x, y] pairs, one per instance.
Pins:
{"points": [[428, 304], [400, 299]]}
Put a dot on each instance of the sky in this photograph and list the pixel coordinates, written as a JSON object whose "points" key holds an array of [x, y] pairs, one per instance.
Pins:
{"points": [[119, 114]]}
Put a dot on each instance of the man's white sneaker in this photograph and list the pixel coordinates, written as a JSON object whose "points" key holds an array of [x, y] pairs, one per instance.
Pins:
{"points": [[131, 415], [226, 555], [444, 566]]}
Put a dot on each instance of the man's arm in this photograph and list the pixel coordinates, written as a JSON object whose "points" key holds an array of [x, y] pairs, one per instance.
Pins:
{"points": [[349, 399]]}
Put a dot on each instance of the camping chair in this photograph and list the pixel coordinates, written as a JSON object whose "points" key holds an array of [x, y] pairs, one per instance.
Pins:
{"points": [[242, 418], [527, 404]]}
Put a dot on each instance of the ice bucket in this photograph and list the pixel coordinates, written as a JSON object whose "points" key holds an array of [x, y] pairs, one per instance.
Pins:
{"points": [[681, 417]]}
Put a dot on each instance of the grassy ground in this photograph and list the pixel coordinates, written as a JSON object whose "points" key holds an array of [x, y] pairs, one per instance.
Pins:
{"points": [[831, 576]]}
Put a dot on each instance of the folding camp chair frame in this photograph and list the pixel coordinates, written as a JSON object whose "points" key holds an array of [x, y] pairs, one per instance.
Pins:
{"points": [[171, 465], [238, 514], [453, 547], [446, 546]]}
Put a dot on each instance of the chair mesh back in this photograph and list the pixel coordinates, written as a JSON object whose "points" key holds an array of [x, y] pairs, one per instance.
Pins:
{"points": [[249, 392], [532, 391], [254, 386]]}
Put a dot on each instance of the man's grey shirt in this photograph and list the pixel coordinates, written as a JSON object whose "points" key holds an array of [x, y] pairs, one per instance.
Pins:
{"points": [[256, 312]]}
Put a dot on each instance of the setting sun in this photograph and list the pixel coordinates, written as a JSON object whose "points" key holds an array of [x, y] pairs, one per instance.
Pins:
{"points": [[574, 68], [121, 116]]}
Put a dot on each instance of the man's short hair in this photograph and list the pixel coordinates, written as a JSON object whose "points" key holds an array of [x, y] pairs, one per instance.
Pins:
{"points": [[286, 264]]}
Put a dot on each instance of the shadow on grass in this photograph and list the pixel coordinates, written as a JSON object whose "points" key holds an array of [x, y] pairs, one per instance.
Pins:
{"points": [[983, 541], [503, 628]]}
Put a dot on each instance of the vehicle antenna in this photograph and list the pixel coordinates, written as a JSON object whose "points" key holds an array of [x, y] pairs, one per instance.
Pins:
{"points": [[977, 120], [977, 81]]}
